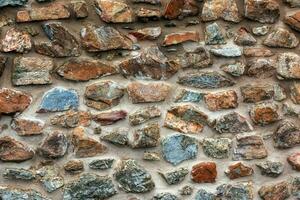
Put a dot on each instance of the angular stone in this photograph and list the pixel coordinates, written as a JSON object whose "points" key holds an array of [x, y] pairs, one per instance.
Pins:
{"points": [[132, 177], [294, 160], [189, 96], [144, 114], [72, 119], [214, 34], [151, 33], [181, 37], [13, 3], [12, 193], [187, 190], [151, 156], [108, 118], [85, 146], [253, 93], [153, 2], [295, 187], [32, 71], [290, 109], [229, 51], [288, 66], [151, 63], [196, 58], [103, 38], [185, 119], [241, 190], [16, 40], [264, 113], [221, 100], [101, 164], [260, 30], [279, 93], [14, 151], [165, 196], [148, 14], [238, 170], [103, 95], [271, 169], [261, 67], [180, 9], [244, 38], [248, 147], [111, 11], [257, 52], [292, 3], [287, 135], [59, 99], [3, 60], [237, 69], [178, 148], [295, 92], [19, 174], [27, 126], [262, 11], [204, 195], [50, 178], [282, 38], [145, 137], [174, 177], [293, 20], [216, 148], [55, 145], [204, 172], [80, 8], [89, 186], [278, 191], [118, 136], [74, 166]]}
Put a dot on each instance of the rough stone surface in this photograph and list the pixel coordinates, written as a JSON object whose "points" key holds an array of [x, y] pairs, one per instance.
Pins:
{"points": [[264, 113], [177, 38], [287, 135], [217, 148], [221, 100], [19, 173], [165, 196], [295, 92], [214, 34], [28, 127], [11, 193], [294, 161], [204, 195], [150, 33], [271, 169], [237, 69], [74, 166], [108, 118], [238, 170], [244, 38], [50, 178], [288, 66], [257, 52], [80, 8], [189, 96], [143, 115], [176, 176], [278, 191], [261, 67], [16, 40], [71, 119], [196, 58], [229, 51], [101, 164], [204, 172], [145, 137], [13, 3], [180, 9], [255, 93], [281, 38], [240, 190], [293, 21], [262, 11], [117, 136]]}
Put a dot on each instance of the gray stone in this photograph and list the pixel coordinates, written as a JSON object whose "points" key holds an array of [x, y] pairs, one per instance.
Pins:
{"points": [[279, 93], [165, 196], [237, 69], [50, 178], [216, 148], [185, 95], [74, 166], [13, 3], [151, 156], [144, 114], [145, 137], [19, 173], [196, 58], [288, 66], [204, 195], [101, 164], [295, 187], [229, 51], [271, 169], [174, 177], [214, 34], [260, 30], [186, 190], [282, 38], [237, 191], [118, 136], [287, 135], [11, 193]]}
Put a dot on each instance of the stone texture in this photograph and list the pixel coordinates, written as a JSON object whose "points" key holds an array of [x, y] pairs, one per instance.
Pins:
{"points": [[295, 92], [271, 169], [293, 21], [261, 67], [262, 11], [80, 8], [12, 193], [204, 195], [189, 96], [150, 33], [244, 38], [221, 100], [295, 187], [151, 156], [165, 196], [241, 190], [108, 118], [238, 170], [279, 191], [27, 126], [196, 58], [260, 30], [236, 69], [288, 66], [16, 40], [287, 135], [180, 9], [216, 148], [229, 51], [148, 14], [253, 93], [204, 172], [292, 3], [13, 3], [186, 190], [118, 136], [71, 119], [145, 137], [264, 113], [257, 52], [50, 178], [144, 114], [153, 2], [174, 177], [282, 38], [294, 160], [214, 34], [3, 60], [19, 174], [101, 164], [74, 166], [180, 37]]}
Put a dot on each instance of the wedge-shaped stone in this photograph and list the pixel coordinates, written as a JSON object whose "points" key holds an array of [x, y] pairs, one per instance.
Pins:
{"points": [[288, 66], [108, 118], [27, 126], [244, 38], [287, 135], [177, 38], [196, 58], [282, 38], [143, 115], [221, 100], [266, 11], [264, 113], [293, 20], [174, 177], [180, 9], [16, 40], [150, 33]]}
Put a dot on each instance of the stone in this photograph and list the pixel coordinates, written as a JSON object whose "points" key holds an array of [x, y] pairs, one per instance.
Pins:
{"points": [[151, 156], [290, 110], [293, 20], [32, 71], [294, 160], [180, 9], [55, 145], [15, 40], [282, 38], [221, 100], [233, 123], [238, 170], [150, 33], [53, 11], [118, 136], [89, 186], [288, 66], [257, 52], [85, 69], [271, 169], [204, 172], [177, 148], [132, 177], [3, 61], [74, 166], [27, 126], [287, 135], [85, 146], [14, 151], [236, 69], [50, 178], [144, 114], [13, 3], [260, 30], [262, 11], [111, 11], [292, 3], [103, 95], [80, 8], [148, 14], [152, 2], [216, 9], [71, 119], [204, 79], [244, 38], [59, 99], [295, 92], [217, 148], [279, 92], [229, 51], [186, 190], [101, 164], [103, 38], [253, 93], [146, 137], [19, 174], [174, 177], [185, 119], [279, 191], [204, 195], [165, 196], [214, 34], [264, 113], [261, 67], [295, 187], [249, 146], [108, 118], [185, 95], [241, 190], [181, 37], [149, 64], [196, 58], [12, 193]]}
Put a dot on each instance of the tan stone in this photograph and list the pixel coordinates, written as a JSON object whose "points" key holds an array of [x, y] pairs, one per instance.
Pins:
{"points": [[221, 100]]}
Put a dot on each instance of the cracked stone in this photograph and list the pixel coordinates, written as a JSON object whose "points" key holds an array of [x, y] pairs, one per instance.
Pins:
{"points": [[244, 38], [197, 58], [214, 34], [253, 93], [229, 51], [118, 136], [180, 9], [165, 196], [287, 135], [241, 190], [174, 177], [19, 174], [101, 164], [12, 193], [262, 11], [108, 118], [80, 8], [181, 37], [261, 67], [144, 114], [145, 137], [50, 178], [294, 160], [293, 20], [71, 119], [282, 38], [238, 170], [260, 30], [185, 95], [151, 156], [27, 126], [288, 66], [278, 191], [236, 69], [221, 100], [264, 113], [217, 148], [74, 166], [271, 169], [151, 33], [204, 172], [16, 40], [148, 14], [257, 52]]}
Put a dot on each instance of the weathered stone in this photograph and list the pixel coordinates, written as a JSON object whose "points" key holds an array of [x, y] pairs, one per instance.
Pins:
{"points": [[14, 151], [214, 34], [262, 11], [112, 11], [3, 60], [232, 122], [229, 51], [145, 137], [237, 191], [271, 169], [59, 99], [281, 38], [165, 196], [27, 126], [295, 187], [293, 20], [196, 58], [295, 92], [174, 177], [187, 190], [294, 160], [19, 174], [238, 170], [101, 164], [260, 30], [248, 147], [5, 21], [185, 119], [204, 172], [278, 191], [55, 145], [151, 156], [103, 38], [237, 69], [288, 66], [108, 118], [144, 114], [180, 9], [151, 33], [103, 95], [132, 177], [89, 186], [85, 146], [204, 195], [80, 8], [257, 52], [254, 93], [290, 109], [50, 12], [261, 67], [11, 193], [264, 113], [189, 96], [153, 2], [292, 3], [16, 40], [221, 100], [244, 38], [71, 119], [147, 14], [279, 92], [216, 148], [13, 3], [287, 135], [178, 148], [118, 136], [50, 178], [74, 166], [180, 37]]}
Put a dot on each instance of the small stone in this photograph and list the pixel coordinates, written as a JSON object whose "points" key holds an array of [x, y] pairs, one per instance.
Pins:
{"points": [[151, 156], [80, 8], [153, 2], [16, 40], [71, 119], [3, 61], [192, 22], [260, 30], [89, 186], [175, 176], [261, 67], [108, 118], [294, 160], [204, 172], [85, 146], [180, 37], [144, 114], [101, 164], [257, 52], [214, 34], [278, 191], [148, 14], [229, 51], [151, 33], [287, 135], [248, 147], [59, 99], [28, 127], [196, 58], [288, 66], [180, 9], [14, 151], [293, 20], [103, 95], [145, 137], [244, 38], [292, 3], [185, 95], [217, 148], [50, 178], [74, 166], [186, 190], [165, 196], [295, 187], [262, 11], [139, 92], [238, 170], [221, 100], [13, 3], [282, 38], [185, 119], [237, 69], [132, 177], [55, 145], [290, 110], [204, 195], [178, 148], [19, 174], [279, 93], [264, 113], [240, 190], [271, 169], [12, 193], [295, 92], [255, 93], [118, 136]]}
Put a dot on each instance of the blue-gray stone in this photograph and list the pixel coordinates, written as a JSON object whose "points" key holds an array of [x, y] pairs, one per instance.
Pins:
{"points": [[59, 99], [18, 173], [178, 148], [165, 196], [236, 191], [189, 96], [227, 51], [4, 3], [214, 34], [295, 187], [10, 193], [204, 195]]}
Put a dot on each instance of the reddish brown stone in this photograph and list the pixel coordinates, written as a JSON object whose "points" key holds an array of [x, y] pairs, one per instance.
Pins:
{"points": [[261, 67], [264, 113], [293, 21], [16, 40], [204, 172], [221, 100], [281, 38], [150, 33], [256, 93], [257, 52], [238, 170], [27, 127], [72, 119], [108, 118], [266, 11], [177, 38], [180, 8], [295, 92], [294, 160]]}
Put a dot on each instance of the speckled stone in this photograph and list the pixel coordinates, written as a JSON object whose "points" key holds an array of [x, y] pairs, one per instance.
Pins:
{"points": [[262, 11], [264, 113], [16, 40], [282, 38], [241, 190], [19, 173], [270, 168], [279, 191], [238, 170], [174, 177], [146, 137], [229, 51], [13, 3], [50, 178], [144, 114], [12, 193], [214, 34], [287, 135], [204, 195], [165, 196], [101, 164], [216, 148]]}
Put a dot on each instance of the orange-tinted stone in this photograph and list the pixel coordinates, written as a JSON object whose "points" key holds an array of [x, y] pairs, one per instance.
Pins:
{"points": [[221, 100], [264, 113], [294, 160], [204, 172], [238, 170], [293, 21], [177, 38], [180, 8]]}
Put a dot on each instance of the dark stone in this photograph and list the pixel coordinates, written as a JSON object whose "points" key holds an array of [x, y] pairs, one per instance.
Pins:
{"points": [[287, 135], [12, 193], [19, 173], [266, 11], [55, 145], [101, 164], [165, 196], [237, 191]]}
